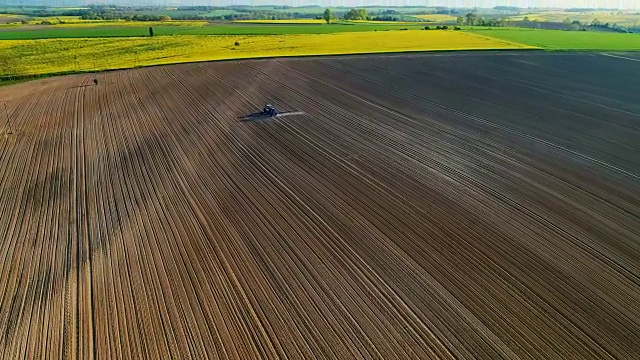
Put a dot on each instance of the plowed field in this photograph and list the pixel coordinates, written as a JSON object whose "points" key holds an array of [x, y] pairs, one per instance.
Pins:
{"points": [[423, 206]]}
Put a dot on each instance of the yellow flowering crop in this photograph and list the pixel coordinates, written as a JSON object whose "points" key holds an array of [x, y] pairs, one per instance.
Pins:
{"points": [[88, 54]]}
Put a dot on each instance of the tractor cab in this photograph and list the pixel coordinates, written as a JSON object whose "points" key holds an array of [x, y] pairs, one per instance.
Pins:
{"points": [[269, 110]]}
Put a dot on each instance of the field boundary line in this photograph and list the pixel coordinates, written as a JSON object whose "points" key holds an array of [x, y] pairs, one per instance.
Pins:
{"points": [[620, 57], [37, 76], [509, 42]]}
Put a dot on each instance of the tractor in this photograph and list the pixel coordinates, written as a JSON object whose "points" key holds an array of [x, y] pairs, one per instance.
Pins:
{"points": [[269, 110]]}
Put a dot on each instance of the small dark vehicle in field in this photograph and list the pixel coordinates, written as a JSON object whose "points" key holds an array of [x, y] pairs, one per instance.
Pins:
{"points": [[269, 111]]}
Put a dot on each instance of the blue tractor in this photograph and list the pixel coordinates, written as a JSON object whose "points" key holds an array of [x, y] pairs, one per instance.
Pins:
{"points": [[269, 110]]}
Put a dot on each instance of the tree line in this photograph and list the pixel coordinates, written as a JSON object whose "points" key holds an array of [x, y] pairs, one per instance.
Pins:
{"points": [[109, 15], [472, 19], [595, 23], [128, 13], [362, 14]]}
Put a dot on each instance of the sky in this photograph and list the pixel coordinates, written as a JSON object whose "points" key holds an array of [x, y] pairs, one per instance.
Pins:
{"points": [[618, 4]]}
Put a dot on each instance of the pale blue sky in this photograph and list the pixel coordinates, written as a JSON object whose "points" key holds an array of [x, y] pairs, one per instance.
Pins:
{"points": [[620, 4]]}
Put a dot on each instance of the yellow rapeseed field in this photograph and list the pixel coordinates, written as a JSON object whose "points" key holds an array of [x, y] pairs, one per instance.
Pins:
{"points": [[94, 23], [287, 21], [380, 22], [436, 17], [65, 55]]}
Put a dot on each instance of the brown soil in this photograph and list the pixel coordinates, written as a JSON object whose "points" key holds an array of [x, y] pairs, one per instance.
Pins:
{"points": [[424, 206]]}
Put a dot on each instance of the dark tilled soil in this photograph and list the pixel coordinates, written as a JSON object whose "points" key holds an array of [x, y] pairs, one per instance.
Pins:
{"points": [[460, 205], [9, 20]]}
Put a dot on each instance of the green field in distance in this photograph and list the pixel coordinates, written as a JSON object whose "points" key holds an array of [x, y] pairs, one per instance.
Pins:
{"points": [[565, 40]]}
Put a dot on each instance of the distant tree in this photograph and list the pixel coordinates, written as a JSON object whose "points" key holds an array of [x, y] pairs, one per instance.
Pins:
{"points": [[150, 31], [356, 14], [386, 18], [328, 15], [427, 28], [164, 18], [471, 19], [526, 18], [576, 25], [460, 20]]}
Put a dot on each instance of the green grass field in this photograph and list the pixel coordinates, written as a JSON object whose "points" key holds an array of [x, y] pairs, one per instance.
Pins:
{"points": [[50, 32], [565, 40], [146, 24]]}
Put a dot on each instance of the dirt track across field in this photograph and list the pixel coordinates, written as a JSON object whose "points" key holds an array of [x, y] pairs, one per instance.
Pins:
{"points": [[423, 206]]}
